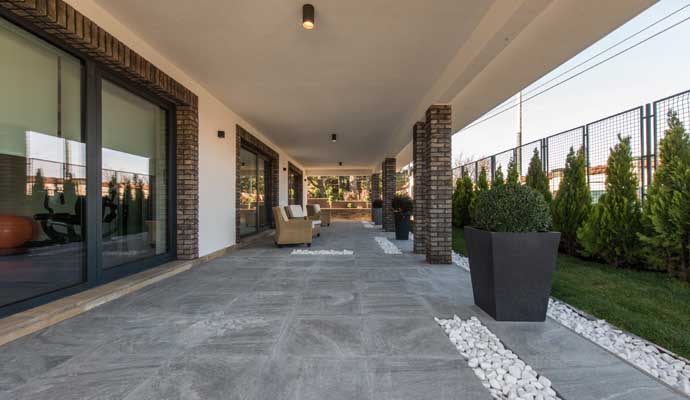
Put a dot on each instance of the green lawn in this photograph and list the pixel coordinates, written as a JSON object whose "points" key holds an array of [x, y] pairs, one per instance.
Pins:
{"points": [[648, 304]]}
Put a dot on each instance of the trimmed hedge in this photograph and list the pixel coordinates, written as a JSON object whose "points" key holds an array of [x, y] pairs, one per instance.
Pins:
{"points": [[511, 208]]}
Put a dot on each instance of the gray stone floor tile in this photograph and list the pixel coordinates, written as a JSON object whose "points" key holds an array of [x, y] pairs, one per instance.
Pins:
{"points": [[202, 376], [387, 304], [329, 303], [407, 337], [327, 337], [425, 379]]}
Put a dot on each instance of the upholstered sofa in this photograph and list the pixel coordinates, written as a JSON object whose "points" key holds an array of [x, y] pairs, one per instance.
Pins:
{"points": [[314, 212], [296, 211], [291, 231]]}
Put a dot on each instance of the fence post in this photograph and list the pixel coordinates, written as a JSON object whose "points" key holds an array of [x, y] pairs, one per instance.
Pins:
{"points": [[476, 171], [645, 143], [585, 150], [493, 167], [651, 146]]}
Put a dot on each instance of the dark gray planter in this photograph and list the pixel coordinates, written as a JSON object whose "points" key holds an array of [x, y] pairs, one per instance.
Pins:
{"points": [[378, 216], [402, 225], [512, 272]]}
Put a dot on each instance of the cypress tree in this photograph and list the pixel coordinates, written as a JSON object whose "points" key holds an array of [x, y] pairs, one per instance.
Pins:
{"points": [[611, 231], [499, 180], [481, 185], [666, 217], [462, 200], [571, 206], [482, 181], [513, 174], [536, 177]]}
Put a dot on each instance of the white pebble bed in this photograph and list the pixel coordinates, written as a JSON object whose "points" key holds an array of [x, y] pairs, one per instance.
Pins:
{"points": [[499, 369], [658, 363], [387, 246], [370, 225], [301, 252], [639, 352]]}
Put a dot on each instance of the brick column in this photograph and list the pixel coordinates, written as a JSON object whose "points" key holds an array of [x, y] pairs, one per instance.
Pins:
{"points": [[187, 182], [439, 188], [419, 143], [388, 175], [375, 192]]}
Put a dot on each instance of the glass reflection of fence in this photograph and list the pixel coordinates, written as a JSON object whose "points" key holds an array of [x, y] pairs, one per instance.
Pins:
{"points": [[53, 176], [645, 125]]}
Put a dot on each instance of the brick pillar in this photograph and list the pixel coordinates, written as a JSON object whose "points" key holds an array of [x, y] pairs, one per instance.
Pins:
{"points": [[375, 192], [439, 188], [187, 182], [388, 175], [419, 143]]}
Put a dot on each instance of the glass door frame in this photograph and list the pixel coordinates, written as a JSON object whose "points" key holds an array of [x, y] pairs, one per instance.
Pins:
{"points": [[263, 222], [92, 73]]}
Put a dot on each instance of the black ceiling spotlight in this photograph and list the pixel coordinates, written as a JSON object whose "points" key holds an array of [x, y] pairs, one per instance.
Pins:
{"points": [[308, 17], [334, 138]]}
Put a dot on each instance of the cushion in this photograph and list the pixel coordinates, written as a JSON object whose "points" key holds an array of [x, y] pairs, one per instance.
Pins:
{"points": [[317, 208], [282, 214], [296, 211], [315, 222]]}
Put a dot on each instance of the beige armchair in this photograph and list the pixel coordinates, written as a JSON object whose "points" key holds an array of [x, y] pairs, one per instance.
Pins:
{"points": [[314, 212], [296, 211], [291, 231]]}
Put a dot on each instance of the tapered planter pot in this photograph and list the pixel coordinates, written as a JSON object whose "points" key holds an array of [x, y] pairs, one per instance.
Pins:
{"points": [[378, 216], [512, 272], [402, 225]]}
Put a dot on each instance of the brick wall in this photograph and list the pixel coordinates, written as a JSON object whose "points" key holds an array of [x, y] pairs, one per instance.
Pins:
{"points": [[419, 143], [388, 176], [187, 182], [375, 190], [439, 187]]}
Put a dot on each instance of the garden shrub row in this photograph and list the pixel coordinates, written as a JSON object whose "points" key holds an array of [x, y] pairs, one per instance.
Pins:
{"points": [[618, 229]]}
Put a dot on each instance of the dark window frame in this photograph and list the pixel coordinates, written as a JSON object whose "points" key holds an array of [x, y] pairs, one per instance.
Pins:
{"points": [[268, 188], [92, 73]]}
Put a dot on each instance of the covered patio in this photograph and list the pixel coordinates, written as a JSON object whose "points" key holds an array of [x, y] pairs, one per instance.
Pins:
{"points": [[263, 323]]}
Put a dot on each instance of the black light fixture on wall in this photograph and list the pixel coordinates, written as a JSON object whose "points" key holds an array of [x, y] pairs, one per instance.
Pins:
{"points": [[334, 137], [308, 21]]}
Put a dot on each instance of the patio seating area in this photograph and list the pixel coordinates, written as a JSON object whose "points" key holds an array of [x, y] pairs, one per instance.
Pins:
{"points": [[263, 323]]}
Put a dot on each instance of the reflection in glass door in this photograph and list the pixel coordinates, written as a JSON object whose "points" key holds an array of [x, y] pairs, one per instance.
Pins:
{"points": [[254, 189], [248, 192]]}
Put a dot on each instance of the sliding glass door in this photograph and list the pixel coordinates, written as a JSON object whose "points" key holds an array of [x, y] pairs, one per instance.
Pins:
{"points": [[134, 171], [67, 125], [254, 192]]}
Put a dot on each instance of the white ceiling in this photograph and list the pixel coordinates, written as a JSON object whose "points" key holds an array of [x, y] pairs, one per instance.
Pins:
{"points": [[364, 72]]}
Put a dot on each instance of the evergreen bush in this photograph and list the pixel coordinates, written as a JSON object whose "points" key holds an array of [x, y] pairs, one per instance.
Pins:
{"points": [[666, 218], [462, 199], [499, 180], [571, 206], [612, 228], [511, 208], [536, 177], [513, 174]]}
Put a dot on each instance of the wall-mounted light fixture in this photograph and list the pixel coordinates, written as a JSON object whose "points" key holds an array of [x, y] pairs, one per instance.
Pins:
{"points": [[308, 21], [284, 169], [340, 163], [221, 134], [334, 138]]}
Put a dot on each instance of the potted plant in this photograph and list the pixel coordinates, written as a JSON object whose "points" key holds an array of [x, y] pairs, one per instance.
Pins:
{"points": [[512, 253], [402, 208], [377, 211]]}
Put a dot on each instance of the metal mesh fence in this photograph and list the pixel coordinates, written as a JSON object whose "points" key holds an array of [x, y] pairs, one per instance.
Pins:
{"points": [[645, 126], [602, 136], [558, 146]]}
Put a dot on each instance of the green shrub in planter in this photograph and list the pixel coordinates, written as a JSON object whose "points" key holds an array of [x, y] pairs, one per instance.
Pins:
{"points": [[512, 253], [511, 208], [402, 203]]}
